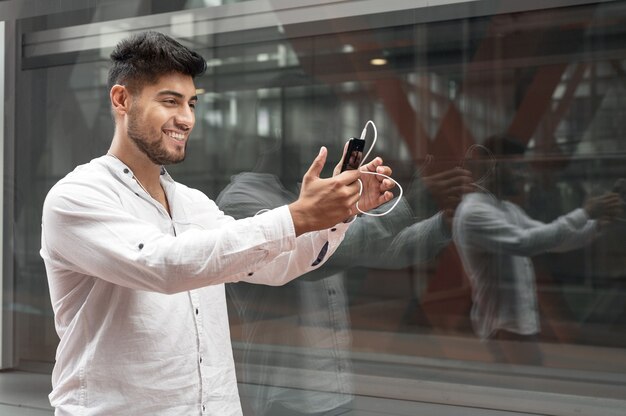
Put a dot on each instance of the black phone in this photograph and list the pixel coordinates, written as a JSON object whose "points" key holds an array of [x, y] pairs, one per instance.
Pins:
{"points": [[354, 154]]}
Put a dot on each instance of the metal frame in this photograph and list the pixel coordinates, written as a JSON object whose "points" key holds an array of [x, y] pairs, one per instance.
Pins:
{"points": [[2, 337], [310, 16], [7, 100]]}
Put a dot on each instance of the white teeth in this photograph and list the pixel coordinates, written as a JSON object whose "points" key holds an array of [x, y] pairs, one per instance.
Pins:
{"points": [[177, 136]]}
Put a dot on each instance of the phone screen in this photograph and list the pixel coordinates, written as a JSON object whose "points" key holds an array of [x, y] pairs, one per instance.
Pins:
{"points": [[354, 154]]}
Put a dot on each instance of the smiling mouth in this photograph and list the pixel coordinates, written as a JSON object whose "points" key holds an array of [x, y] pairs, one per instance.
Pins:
{"points": [[176, 136]]}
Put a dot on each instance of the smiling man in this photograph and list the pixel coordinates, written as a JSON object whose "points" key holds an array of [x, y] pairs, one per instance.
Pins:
{"points": [[137, 262]]}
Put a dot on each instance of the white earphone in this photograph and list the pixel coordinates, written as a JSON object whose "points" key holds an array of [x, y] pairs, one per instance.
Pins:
{"points": [[363, 134]]}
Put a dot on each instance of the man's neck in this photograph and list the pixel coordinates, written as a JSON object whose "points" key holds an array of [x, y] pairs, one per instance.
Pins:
{"points": [[146, 172], [147, 177]]}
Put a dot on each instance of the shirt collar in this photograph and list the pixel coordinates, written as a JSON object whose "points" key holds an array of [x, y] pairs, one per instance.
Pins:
{"points": [[120, 170]]}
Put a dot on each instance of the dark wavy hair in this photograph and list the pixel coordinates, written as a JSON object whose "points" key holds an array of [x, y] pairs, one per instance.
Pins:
{"points": [[142, 58]]}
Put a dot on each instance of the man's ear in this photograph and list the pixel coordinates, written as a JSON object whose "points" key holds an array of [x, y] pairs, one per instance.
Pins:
{"points": [[120, 99]]}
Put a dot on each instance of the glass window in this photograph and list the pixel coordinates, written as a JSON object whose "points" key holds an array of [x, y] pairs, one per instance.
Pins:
{"points": [[414, 304]]}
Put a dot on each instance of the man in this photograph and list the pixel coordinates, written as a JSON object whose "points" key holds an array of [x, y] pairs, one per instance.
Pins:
{"points": [[136, 262], [496, 239]]}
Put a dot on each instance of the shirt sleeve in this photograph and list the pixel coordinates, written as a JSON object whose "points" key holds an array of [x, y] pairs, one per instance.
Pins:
{"points": [[314, 249], [483, 227], [86, 230], [393, 241]]}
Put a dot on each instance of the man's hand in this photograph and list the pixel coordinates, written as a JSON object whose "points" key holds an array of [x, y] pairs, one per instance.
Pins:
{"points": [[376, 188], [447, 189], [604, 208], [324, 202]]}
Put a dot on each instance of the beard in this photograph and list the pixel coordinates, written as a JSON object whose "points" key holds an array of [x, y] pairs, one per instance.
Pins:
{"points": [[155, 150]]}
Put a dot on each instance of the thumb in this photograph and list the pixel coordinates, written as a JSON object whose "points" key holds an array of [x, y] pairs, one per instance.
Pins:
{"points": [[318, 164]]}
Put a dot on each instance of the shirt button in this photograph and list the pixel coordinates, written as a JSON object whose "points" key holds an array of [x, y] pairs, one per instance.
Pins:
{"points": [[197, 311], [203, 408], [333, 229], [250, 274], [200, 360], [140, 246], [126, 170]]}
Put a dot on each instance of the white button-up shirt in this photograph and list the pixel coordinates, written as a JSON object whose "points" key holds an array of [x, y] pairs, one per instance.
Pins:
{"points": [[139, 296], [495, 240]]}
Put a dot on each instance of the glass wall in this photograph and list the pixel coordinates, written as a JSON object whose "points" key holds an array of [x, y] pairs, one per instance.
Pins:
{"points": [[2, 364], [396, 313]]}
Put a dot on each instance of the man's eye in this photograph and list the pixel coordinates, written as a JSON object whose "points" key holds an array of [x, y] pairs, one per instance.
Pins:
{"points": [[192, 106], [170, 101]]}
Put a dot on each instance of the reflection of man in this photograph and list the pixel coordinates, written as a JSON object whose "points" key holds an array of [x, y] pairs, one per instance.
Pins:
{"points": [[317, 320], [136, 262], [496, 239], [355, 158]]}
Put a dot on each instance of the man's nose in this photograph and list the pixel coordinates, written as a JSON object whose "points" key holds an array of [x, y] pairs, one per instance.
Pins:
{"points": [[185, 117]]}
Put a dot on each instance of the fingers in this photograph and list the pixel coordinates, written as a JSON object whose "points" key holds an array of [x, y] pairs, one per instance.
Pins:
{"points": [[610, 200], [386, 185], [370, 179], [448, 187], [371, 202], [613, 198], [606, 206], [613, 205], [318, 164], [371, 166], [348, 177], [385, 197], [385, 170], [376, 165], [452, 178]]}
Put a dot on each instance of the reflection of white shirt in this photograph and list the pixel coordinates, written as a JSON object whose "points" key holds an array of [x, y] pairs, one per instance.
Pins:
{"points": [[314, 309], [495, 240], [139, 297]]}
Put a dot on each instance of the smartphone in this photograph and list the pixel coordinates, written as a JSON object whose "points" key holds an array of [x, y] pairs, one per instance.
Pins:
{"points": [[354, 154]]}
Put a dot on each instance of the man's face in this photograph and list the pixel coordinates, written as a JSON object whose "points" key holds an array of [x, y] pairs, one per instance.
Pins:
{"points": [[161, 117]]}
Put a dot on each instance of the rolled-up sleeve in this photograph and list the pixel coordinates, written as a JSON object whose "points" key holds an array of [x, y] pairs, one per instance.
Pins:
{"points": [[313, 250]]}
